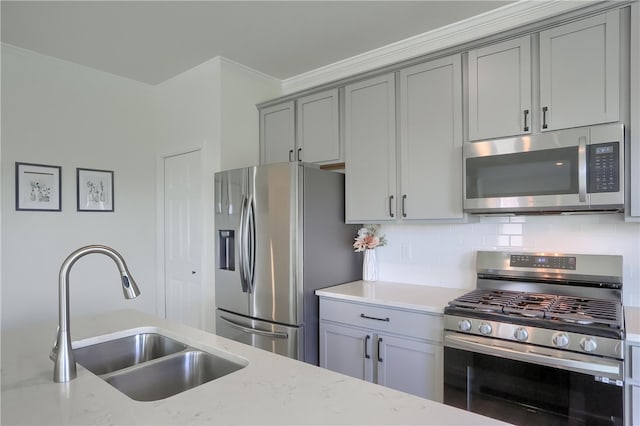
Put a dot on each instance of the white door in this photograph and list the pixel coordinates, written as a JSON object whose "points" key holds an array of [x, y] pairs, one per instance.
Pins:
{"points": [[183, 239]]}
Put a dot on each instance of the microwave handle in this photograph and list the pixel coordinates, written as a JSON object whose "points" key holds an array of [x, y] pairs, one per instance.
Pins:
{"points": [[582, 169]]}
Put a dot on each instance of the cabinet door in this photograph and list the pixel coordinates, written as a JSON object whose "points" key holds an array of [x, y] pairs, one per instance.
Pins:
{"points": [[346, 350], [500, 89], [579, 65], [318, 132], [410, 366], [370, 150], [277, 133], [431, 140]]}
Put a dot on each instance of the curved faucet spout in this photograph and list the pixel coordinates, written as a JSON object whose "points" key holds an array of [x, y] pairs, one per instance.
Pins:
{"points": [[65, 364]]}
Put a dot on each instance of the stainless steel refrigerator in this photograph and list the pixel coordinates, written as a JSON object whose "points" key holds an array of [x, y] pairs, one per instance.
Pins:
{"points": [[280, 235]]}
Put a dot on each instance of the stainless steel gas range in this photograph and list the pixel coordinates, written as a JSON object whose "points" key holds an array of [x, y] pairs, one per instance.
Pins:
{"points": [[540, 340]]}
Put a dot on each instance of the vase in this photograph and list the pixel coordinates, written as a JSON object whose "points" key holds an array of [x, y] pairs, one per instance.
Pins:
{"points": [[370, 266]]}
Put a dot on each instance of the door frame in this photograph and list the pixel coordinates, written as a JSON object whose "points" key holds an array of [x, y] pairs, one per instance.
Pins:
{"points": [[160, 226]]}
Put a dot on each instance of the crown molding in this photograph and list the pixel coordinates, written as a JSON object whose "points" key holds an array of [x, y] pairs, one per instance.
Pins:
{"points": [[502, 19]]}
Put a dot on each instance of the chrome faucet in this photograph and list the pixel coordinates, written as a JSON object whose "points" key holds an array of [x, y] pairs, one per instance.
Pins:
{"points": [[65, 363]]}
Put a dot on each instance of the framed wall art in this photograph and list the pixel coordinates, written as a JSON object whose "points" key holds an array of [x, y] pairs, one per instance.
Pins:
{"points": [[38, 187], [94, 190]]}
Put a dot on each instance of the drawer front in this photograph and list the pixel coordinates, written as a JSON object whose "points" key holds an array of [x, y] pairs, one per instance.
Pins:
{"points": [[390, 320], [634, 361]]}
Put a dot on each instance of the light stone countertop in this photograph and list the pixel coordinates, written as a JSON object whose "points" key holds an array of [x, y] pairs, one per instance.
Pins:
{"points": [[422, 298], [632, 323], [271, 389]]}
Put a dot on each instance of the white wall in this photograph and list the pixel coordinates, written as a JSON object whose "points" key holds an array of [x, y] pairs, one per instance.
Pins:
{"points": [[444, 255], [58, 113]]}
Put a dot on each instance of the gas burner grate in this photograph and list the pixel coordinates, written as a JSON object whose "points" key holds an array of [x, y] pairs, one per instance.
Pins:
{"points": [[567, 309], [485, 300], [585, 311], [531, 305]]}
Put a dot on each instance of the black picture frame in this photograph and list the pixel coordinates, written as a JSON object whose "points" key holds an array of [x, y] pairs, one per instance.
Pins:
{"points": [[38, 187], [94, 190]]}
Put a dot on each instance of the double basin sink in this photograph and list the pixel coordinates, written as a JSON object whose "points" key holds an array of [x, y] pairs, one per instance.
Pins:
{"points": [[149, 366]]}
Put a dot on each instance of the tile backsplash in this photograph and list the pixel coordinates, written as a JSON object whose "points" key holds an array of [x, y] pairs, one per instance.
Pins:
{"points": [[444, 254]]}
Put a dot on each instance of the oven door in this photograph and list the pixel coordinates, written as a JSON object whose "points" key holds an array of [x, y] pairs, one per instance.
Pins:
{"points": [[497, 380]]}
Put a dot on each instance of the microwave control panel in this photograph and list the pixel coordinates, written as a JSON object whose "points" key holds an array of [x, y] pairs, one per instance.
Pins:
{"points": [[604, 167]]}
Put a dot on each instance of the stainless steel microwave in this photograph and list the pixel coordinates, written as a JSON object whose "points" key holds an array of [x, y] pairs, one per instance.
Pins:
{"points": [[570, 170]]}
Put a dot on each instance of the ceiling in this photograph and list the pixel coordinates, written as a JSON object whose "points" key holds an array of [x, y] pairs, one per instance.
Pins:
{"points": [[152, 41]]}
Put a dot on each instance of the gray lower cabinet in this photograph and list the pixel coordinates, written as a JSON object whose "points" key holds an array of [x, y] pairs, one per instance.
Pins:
{"points": [[395, 348], [633, 384]]}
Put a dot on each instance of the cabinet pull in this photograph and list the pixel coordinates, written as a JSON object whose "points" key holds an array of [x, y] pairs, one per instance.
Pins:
{"points": [[374, 318], [404, 210], [379, 341], [526, 117], [290, 155], [299, 154], [390, 203], [544, 117], [366, 340]]}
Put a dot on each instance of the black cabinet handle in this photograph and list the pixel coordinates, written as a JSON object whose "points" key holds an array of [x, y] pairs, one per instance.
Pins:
{"points": [[299, 154], [366, 340], [374, 318], [290, 155], [404, 209], [526, 116], [390, 203], [379, 341], [544, 117]]}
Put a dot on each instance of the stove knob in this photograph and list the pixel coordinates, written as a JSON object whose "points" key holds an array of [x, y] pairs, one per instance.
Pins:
{"points": [[485, 328], [588, 344], [560, 340], [464, 325], [521, 334]]}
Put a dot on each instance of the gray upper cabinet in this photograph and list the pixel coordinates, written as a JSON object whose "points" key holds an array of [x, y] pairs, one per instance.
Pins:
{"points": [[578, 67], [306, 129], [579, 72], [425, 181], [318, 128], [370, 150], [500, 89], [430, 112], [277, 133]]}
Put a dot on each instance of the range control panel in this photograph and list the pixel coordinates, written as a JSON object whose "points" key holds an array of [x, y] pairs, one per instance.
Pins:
{"points": [[535, 261]]}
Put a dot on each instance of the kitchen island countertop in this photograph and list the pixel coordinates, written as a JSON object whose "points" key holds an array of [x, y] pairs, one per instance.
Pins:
{"points": [[417, 297], [271, 389]]}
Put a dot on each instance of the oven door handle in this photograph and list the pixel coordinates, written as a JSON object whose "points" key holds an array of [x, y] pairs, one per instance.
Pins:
{"points": [[554, 359]]}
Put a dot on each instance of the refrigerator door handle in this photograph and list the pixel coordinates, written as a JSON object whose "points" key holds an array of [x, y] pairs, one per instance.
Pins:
{"points": [[274, 334], [251, 245], [242, 231]]}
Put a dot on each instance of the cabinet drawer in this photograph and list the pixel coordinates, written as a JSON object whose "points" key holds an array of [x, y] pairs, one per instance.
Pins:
{"points": [[634, 362], [412, 324]]}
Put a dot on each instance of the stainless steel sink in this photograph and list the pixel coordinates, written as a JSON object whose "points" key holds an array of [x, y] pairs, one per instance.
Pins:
{"points": [[148, 366], [114, 355], [172, 375]]}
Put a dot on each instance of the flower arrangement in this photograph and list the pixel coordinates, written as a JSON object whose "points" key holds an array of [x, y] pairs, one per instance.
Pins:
{"points": [[368, 238]]}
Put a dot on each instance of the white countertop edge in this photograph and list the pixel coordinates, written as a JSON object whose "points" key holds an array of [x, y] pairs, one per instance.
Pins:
{"points": [[417, 297]]}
